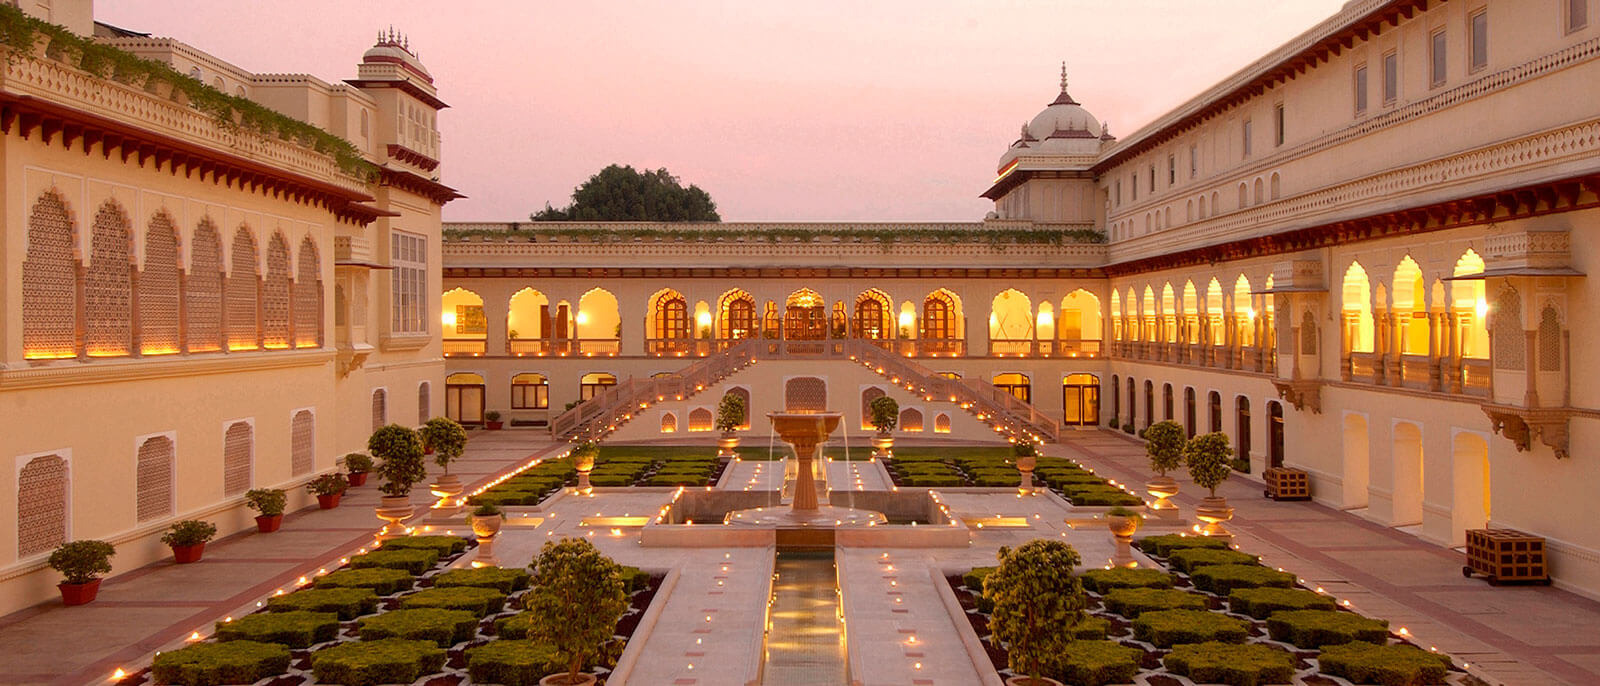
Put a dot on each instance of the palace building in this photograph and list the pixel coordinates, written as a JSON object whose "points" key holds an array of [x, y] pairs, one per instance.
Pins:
{"points": [[1362, 255], [203, 295]]}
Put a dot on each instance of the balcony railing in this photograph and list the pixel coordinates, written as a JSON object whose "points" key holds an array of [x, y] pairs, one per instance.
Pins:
{"points": [[464, 347]]}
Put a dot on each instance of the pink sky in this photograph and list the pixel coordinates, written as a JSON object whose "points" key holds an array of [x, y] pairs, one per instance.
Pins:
{"points": [[801, 111]]}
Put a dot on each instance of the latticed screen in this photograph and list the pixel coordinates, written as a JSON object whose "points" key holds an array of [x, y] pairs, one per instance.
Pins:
{"points": [[910, 419], [238, 446], [380, 409], [805, 394], [867, 396], [408, 255], [308, 297], [108, 286], [275, 295], [1549, 340], [302, 442], [242, 331], [941, 424], [1510, 346], [424, 402], [700, 420], [203, 291], [669, 423], [158, 289], [49, 283], [1308, 335], [41, 505], [154, 479]]}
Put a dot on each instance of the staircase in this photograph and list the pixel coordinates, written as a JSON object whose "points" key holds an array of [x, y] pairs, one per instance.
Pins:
{"points": [[1000, 409], [592, 419]]}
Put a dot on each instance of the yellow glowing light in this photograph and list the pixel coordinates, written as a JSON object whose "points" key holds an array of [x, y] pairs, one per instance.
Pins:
{"points": [[583, 317], [1482, 308], [118, 674], [448, 318]]}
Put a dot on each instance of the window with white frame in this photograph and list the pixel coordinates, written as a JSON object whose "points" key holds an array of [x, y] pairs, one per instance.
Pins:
{"points": [[1577, 14], [1361, 88], [1391, 77], [408, 255], [1248, 130], [1437, 53], [1478, 24]]}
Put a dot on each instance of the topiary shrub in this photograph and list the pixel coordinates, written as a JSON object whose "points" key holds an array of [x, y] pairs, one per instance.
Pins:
{"points": [[1164, 446], [293, 629], [1091, 628], [382, 581], [1162, 546], [504, 580], [444, 628], [1236, 665], [513, 663], [1390, 665], [445, 438], [730, 413], [479, 601], [1261, 603], [413, 561], [347, 603], [399, 453], [1210, 460], [1222, 579], [1102, 581], [443, 546], [514, 627], [234, 662], [1037, 600], [368, 663], [883, 413], [1317, 628], [1190, 559], [81, 562], [1132, 602], [577, 599], [1093, 663], [1166, 628]]}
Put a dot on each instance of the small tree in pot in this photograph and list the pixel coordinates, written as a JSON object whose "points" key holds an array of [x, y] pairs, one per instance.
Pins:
{"points": [[269, 502], [188, 539], [577, 598], [81, 563], [1164, 443], [583, 457], [357, 465], [399, 454], [1210, 461], [730, 416], [1038, 601], [883, 414], [328, 489], [448, 441], [491, 420]]}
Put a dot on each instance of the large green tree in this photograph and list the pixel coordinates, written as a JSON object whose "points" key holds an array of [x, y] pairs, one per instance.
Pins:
{"points": [[622, 193]]}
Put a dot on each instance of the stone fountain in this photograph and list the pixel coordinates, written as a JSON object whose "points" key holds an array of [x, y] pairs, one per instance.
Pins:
{"points": [[805, 432]]}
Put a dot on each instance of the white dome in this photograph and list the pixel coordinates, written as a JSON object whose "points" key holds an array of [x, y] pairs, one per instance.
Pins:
{"points": [[393, 47], [1063, 128]]}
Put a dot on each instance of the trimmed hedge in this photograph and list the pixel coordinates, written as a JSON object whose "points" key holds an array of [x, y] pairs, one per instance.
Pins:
{"points": [[973, 580], [514, 627], [293, 629], [1390, 665], [1166, 628], [1132, 602], [445, 546], [1222, 579], [444, 628], [1162, 546], [934, 481], [382, 581], [1091, 628], [611, 480], [347, 603], [1101, 497], [676, 480], [1102, 581], [513, 663], [634, 579], [414, 561], [1317, 628], [988, 480], [1190, 559], [1236, 665], [479, 601], [368, 663], [233, 662], [1261, 603], [1093, 663], [502, 579]]}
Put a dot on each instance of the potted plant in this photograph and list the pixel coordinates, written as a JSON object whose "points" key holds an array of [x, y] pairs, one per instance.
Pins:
{"points": [[446, 439], [485, 522], [328, 488], [1038, 601], [1164, 444], [188, 539], [1027, 455], [491, 420], [730, 416], [356, 466], [583, 456], [1210, 461], [269, 502], [883, 413], [399, 454], [577, 598], [81, 563]]}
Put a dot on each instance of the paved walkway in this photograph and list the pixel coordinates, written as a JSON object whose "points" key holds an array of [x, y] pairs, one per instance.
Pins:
{"points": [[1512, 635], [154, 607]]}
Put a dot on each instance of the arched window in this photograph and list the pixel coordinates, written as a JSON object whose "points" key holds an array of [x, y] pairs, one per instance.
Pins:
{"points": [[42, 485], [669, 316], [1149, 402], [1241, 419], [158, 289], [1277, 186], [872, 316], [463, 397], [1411, 308], [1214, 404], [424, 402], [743, 394], [1261, 191], [1357, 309], [1166, 401], [202, 305], [1244, 196], [700, 419], [530, 392], [241, 305], [50, 282], [1116, 399], [736, 313], [594, 383], [302, 443], [1470, 305], [910, 420], [1308, 334], [669, 423], [1190, 423], [1011, 323], [153, 493], [867, 396], [108, 285], [275, 295], [308, 296], [941, 423], [1202, 207], [1018, 385], [380, 408], [941, 329], [238, 458]]}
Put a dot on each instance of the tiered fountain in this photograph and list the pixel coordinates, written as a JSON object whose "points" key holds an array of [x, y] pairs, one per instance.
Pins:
{"points": [[805, 432]]}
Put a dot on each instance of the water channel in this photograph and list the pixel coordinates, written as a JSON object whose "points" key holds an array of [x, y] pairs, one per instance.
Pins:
{"points": [[806, 642]]}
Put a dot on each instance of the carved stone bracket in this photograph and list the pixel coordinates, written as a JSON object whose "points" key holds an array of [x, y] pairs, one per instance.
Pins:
{"points": [[351, 359], [1522, 425], [1301, 393]]}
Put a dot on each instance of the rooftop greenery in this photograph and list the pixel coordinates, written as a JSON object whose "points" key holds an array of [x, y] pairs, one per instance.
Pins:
{"points": [[995, 238]]}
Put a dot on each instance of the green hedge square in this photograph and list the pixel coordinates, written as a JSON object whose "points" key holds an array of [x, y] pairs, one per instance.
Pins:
{"points": [[935, 481], [990, 480], [1317, 628], [1162, 546], [513, 663], [444, 546], [1222, 579], [514, 627], [1190, 559], [233, 662], [611, 480], [1261, 603], [502, 579], [1166, 628], [634, 579], [382, 581], [347, 603], [1235, 665], [479, 601], [1390, 665], [676, 480], [414, 561], [1093, 663], [1132, 602], [444, 628], [1102, 581], [369, 663], [293, 629], [1107, 496]]}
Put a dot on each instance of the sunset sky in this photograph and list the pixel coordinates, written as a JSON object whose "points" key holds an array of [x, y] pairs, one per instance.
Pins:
{"points": [[800, 111]]}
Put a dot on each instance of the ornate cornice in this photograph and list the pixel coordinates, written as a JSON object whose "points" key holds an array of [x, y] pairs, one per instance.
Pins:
{"points": [[771, 273], [412, 157], [75, 372], [414, 183]]}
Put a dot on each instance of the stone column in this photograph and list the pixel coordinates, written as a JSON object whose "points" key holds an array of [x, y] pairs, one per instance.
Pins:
{"points": [[496, 306], [632, 312], [1453, 361]]}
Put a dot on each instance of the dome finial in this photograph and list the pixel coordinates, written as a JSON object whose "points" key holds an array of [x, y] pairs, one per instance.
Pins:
{"points": [[1063, 76]]}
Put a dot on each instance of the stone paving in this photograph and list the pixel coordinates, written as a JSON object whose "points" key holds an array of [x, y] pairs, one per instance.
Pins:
{"points": [[1523, 635]]}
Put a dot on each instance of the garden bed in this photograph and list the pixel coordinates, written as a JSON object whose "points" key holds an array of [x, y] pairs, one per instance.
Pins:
{"points": [[616, 466], [416, 632], [996, 468]]}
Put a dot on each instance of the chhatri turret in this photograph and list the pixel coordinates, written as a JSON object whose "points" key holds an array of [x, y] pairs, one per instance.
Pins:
{"points": [[1044, 176]]}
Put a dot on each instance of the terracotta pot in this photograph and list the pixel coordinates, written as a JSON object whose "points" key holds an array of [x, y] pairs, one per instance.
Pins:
{"points": [[186, 554], [357, 478], [1025, 681], [79, 594], [268, 523], [1162, 488], [486, 526], [1122, 526], [393, 509], [330, 501], [448, 486], [883, 445], [427, 451], [561, 680], [493, 426], [1214, 510], [727, 443]]}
